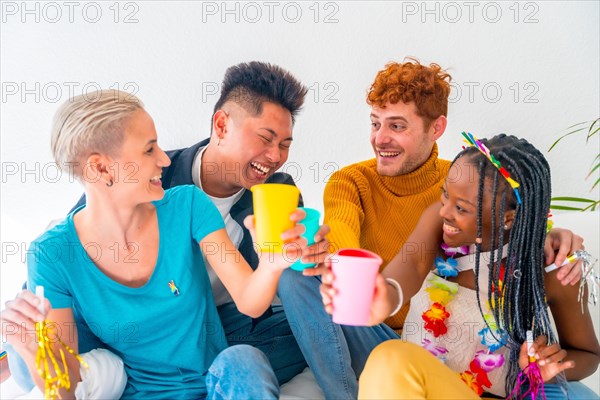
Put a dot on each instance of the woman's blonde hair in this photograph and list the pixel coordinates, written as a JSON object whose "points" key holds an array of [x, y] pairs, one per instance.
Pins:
{"points": [[91, 123]]}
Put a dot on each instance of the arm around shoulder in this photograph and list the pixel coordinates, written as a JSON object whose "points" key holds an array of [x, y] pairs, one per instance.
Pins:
{"points": [[574, 326], [415, 259]]}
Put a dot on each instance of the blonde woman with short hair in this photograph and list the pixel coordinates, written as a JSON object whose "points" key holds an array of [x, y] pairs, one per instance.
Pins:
{"points": [[133, 279]]}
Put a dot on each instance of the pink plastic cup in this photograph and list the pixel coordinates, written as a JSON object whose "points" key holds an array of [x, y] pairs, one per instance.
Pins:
{"points": [[355, 271]]}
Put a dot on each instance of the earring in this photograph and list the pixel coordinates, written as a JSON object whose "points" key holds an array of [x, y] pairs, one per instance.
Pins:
{"points": [[219, 142], [478, 240], [506, 227], [109, 184]]}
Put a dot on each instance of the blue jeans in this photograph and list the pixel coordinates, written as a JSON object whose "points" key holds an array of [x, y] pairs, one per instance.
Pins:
{"points": [[300, 332], [335, 354], [241, 372], [272, 336], [575, 389], [238, 372]]}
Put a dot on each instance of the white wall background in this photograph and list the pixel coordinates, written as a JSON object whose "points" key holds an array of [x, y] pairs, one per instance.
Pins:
{"points": [[527, 68]]}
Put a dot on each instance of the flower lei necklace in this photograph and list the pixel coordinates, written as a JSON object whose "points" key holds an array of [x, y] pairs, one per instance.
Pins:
{"points": [[441, 292]]}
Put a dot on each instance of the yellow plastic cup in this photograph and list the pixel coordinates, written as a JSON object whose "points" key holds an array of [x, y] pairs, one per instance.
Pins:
{"points": [[273, 204]]}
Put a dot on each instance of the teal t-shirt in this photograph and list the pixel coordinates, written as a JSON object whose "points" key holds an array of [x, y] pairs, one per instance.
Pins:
{"points": [[167, 341]]}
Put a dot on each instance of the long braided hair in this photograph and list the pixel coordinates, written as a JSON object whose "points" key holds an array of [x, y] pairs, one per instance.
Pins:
{"points": [[518, 303]]}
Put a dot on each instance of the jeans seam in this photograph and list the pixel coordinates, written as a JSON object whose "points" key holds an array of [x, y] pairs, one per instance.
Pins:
{"points": [[216, 376], [338, 347], [345, 383], [341, 361]]}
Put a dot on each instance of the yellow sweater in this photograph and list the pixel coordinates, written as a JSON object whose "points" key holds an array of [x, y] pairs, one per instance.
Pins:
{"points": [[378, 213]]}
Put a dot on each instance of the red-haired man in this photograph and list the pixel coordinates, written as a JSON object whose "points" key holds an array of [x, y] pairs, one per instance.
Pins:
{"points": [[376, 204]]}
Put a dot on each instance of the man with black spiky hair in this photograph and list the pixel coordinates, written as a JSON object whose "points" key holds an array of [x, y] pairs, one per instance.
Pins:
{"points": [[251, 134]]}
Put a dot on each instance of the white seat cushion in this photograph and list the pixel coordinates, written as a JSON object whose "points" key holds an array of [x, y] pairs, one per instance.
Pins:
{"points": [[302, 386]]}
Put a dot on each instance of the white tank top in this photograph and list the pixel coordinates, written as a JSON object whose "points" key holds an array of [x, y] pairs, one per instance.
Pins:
{"points": [[462, 340]]}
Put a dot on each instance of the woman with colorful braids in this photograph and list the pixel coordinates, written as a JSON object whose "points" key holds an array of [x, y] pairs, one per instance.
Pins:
{"points": [[472, 311]]}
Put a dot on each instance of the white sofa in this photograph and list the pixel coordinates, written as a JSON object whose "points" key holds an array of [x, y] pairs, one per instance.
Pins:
{"points": [[304, 385]]}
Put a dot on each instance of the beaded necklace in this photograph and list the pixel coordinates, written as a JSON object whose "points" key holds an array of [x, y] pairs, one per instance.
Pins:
{"points": [[441, 292]]}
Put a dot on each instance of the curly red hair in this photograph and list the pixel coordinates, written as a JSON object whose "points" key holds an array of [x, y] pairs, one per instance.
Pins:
{"points": [[426, 86]]}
